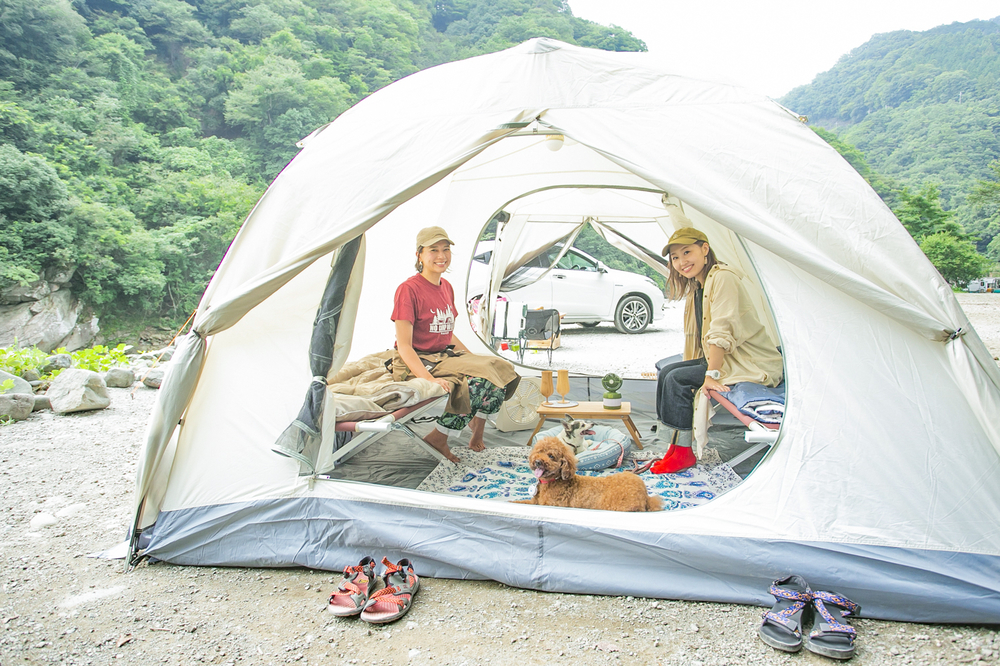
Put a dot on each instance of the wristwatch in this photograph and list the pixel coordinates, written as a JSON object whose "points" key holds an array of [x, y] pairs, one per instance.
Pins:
{"points": [[714, 374]]}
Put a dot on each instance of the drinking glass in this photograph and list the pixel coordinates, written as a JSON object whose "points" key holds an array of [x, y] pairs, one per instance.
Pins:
{"points": [[562, 384], [545, 388]]}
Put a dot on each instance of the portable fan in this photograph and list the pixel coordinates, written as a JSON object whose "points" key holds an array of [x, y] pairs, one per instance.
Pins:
{"points": [[521, 411]]}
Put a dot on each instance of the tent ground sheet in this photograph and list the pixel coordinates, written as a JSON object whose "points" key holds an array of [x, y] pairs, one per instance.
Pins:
{"points": [[502, 473]]}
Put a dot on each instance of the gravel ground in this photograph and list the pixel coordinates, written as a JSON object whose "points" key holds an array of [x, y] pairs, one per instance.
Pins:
{"points": [[59, 606], [595, 349], [983, 311]]}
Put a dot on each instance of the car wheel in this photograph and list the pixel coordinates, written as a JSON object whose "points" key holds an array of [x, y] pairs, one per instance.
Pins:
{"points": [[632, 315], [589, 324]]}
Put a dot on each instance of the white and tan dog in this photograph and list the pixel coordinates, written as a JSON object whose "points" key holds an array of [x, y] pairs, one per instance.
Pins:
{"points": [[573, 434]]}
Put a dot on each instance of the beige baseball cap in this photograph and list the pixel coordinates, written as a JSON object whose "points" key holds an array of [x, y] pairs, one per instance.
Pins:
{"points": [[685, 236], [431, 235]]}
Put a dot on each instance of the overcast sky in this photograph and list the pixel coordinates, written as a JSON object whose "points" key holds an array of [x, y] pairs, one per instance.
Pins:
{"points": [[768, 45]]}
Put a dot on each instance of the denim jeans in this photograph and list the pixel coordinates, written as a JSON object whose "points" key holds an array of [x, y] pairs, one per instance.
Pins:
{"points": [[675, 391]]}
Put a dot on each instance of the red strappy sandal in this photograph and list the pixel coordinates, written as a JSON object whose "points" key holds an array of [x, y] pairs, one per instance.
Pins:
{"points": [[352, 594], [394, 600]]}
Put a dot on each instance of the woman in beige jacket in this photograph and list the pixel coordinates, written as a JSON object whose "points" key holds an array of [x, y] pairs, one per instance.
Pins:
{"points": [[725, 342]]}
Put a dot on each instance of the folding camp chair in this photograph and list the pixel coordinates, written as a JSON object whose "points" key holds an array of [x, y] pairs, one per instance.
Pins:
{"points": [[541, 331], [761, 435], [371, 430]]}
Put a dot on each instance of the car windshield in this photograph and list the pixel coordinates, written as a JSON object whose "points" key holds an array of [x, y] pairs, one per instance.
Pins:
{"points": [[577, 262], [569, 261]]}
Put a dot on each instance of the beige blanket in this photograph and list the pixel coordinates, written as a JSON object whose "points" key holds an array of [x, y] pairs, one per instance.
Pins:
{"points": [[364, 389]]}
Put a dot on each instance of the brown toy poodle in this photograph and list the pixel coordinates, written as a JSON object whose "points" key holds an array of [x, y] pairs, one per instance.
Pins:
{"points": [[554, 466]]}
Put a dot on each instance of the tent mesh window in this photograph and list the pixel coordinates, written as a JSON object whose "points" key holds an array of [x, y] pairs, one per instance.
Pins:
{"points": [[301, 440]]}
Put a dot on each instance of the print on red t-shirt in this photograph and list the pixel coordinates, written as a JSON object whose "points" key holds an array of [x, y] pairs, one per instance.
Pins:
{"points": [[431, 310]]}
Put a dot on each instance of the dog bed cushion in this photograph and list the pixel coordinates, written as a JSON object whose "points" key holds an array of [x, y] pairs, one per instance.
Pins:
{"points": [[607, 447]]}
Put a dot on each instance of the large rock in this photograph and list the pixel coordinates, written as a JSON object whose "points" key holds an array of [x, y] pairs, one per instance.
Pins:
{"points": [[119, 377], [76, 390], [20, 385], [57, 362], [17, 406], [45, 313], [153, 377], [85, 334], [25, 293]]}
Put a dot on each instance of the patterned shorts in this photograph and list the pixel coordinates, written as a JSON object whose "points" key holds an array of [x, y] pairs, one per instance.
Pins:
{"points": [[485, 397]]}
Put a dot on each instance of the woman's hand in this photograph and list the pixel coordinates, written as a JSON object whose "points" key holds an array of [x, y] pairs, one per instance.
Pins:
{"points": [[713, 385], [443, 383]]}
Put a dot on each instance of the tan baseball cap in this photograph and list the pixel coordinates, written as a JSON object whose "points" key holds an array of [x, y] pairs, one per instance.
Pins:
{"points": [[431, 235], [685, 236]]}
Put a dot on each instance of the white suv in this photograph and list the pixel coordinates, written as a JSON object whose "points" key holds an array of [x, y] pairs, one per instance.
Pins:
{"points": [[580, 287]]}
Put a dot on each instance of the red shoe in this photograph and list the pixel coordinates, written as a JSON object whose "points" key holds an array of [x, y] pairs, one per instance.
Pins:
{"points": [[677, 458], [394, 600], [352, 595]]}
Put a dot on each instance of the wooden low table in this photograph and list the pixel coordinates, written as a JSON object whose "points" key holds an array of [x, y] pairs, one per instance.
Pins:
{"points": [[591, 411]]}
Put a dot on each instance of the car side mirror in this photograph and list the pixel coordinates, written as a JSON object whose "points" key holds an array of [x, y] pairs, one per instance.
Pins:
{"points": [[601, 268]]}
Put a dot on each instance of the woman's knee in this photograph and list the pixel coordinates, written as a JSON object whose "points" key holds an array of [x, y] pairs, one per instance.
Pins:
{"points": [[673, 377], [486, 397]]}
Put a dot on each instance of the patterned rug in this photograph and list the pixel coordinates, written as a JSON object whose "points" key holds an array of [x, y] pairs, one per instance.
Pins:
{"points": [[502, 474]]}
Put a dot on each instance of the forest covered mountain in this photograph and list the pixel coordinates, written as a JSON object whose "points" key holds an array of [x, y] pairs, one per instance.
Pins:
{"points": [[923, 109], [135, 135]]}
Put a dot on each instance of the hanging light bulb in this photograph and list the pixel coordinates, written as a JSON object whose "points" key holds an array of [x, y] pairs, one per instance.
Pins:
{"points": [[554, 142]]}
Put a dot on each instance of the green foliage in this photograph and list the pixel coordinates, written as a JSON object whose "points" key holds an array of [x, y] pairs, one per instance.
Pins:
{"points": [[922, 215], [986, 223], [939, 235], [15, 360], [493, 25], [136, 135], [956, 260], [988, 191], [885, 187], [920, 112], [118, 260], [6, 385], [922, 107], [30, 188], [590, 242], [32, 202], [100, 358], [37, 37], [949, 63]]}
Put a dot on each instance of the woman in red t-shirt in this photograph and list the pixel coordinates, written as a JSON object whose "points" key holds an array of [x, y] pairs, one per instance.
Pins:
{"points": [[424, 313]]}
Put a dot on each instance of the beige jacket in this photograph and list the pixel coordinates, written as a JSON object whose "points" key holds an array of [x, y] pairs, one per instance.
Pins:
{"points": [[457, 367], [730, 321]]}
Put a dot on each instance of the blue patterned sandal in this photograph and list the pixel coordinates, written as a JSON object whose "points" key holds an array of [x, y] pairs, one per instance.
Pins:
{"points": [[831, 636], [782, 625]]}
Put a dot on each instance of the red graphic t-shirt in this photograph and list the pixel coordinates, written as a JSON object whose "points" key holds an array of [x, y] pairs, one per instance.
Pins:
{"points": [[431, 310]]}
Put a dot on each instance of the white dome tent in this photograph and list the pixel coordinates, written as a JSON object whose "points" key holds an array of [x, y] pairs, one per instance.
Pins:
{"points": [[884, 484]]}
